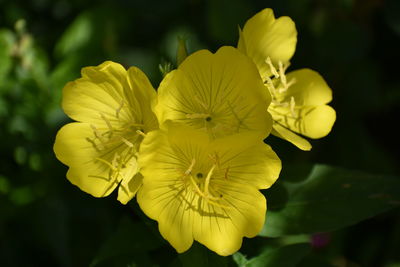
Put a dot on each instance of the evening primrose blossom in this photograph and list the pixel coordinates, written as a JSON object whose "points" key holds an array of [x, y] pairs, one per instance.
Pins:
{"points": [[205, 190], [221, 94], [112, 107], [299, 98]]}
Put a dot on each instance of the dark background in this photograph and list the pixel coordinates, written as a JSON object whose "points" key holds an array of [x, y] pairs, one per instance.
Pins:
{"points": [[46, 221]]}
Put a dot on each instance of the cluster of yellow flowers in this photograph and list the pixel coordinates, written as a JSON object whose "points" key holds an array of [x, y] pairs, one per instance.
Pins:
{"points": [[193, 152]]}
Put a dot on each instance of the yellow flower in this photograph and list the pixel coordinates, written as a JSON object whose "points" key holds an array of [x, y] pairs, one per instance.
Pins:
{"points": [[300, 98], [205, 190], [112, 107], [219, 93]]}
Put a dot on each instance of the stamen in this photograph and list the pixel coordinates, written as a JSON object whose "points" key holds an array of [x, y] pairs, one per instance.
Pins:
{"points": [[139, 132], [98, 135], [111, 129], [283, 86], [292, 106], [107, 163], [286, 86], [286, 66], [107, 121], [129, 144], [208, 198], [270, 85], [282, 75], [271, 67], [190, 169], [215, 158], [118, 110], [195, 182], [93, 144], [207, 182], [291, 82]]}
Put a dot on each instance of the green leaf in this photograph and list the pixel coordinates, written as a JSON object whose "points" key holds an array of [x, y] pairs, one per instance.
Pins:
{"points": [[284, 256], [77, 35], [7, 40], [199, 256], [129, 243], [240, 259], [328, 199]]}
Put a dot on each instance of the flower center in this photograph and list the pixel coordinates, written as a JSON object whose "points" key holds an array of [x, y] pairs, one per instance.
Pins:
{"points": [[201, 186], [114, 149], [278, 85]]}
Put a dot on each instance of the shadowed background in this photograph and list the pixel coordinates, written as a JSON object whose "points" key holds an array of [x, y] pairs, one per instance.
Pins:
{"points": [[46, 221]]}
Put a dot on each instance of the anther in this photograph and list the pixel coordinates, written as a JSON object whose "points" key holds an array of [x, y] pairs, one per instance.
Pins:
{"points": [[292, 106], [189, 170], [139, 132], [129, 144], [272, 68]]}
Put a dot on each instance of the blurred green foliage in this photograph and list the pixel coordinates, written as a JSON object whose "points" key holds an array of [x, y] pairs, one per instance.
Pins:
{"points": [[46, 221]]}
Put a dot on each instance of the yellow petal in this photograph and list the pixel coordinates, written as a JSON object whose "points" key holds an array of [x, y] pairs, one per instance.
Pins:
{"points": [[302, 108], [129, 186], [183, 216], [219, 93], [247, 160], [311, 121], [241, 165], [264, 36], [318, 121], [95, 166], [163, 202], [309, 88], [228, 226], [282, 132], [100, 96], [142, 94]]}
